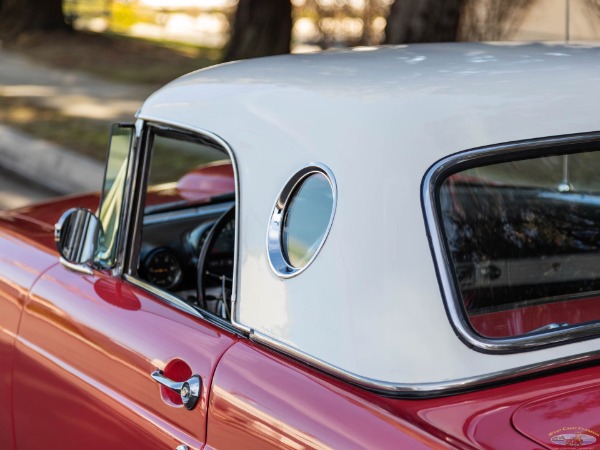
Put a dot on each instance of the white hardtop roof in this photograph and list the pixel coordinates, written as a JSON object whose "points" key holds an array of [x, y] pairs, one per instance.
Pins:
{"points": [[370, 304]]}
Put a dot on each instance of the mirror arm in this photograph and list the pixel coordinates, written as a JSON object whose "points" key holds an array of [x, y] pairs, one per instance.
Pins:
{"points": [[76, 267]]}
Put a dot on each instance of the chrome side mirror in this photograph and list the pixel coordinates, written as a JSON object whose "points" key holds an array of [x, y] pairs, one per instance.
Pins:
{"points": [[76, 235]]}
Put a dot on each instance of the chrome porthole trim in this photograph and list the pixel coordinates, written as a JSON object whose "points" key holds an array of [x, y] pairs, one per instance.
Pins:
{"points": [[275, 250]]}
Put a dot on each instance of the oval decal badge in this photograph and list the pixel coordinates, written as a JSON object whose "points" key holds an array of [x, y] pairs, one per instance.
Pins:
{"points": [[573, 438]]}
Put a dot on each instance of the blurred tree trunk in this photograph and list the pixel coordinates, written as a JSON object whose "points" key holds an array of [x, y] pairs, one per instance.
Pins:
{"points": [[492, 20], [22, 16], [452, 20], [423, 21], [261, 28]]}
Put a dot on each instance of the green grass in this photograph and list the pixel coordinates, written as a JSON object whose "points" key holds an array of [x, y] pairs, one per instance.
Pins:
{"points": [[116, 57], [86, 136], [111, 56]]}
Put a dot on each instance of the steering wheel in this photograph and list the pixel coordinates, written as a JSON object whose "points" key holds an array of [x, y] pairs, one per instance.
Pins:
{"points": [[215, 264]]}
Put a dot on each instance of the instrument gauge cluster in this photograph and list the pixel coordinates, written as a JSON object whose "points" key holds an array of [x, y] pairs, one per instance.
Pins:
{"points": [[163, 268]]}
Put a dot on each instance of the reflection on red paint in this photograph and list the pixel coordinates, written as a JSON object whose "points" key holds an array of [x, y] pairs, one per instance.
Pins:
{"points": [[208, 180], [116, 293]]}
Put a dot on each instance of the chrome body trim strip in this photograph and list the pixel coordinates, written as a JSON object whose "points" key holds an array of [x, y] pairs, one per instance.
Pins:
{"points": [[243, 329], [182, 305], [164, 295], [433, 223], [423, 390]]}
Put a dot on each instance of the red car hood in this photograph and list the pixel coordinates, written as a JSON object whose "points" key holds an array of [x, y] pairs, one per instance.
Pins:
{"points": [[48, 213], [35, 223]]}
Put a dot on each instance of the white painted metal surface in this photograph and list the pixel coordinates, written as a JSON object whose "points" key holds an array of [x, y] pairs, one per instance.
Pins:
{"points": [[370, 303]]}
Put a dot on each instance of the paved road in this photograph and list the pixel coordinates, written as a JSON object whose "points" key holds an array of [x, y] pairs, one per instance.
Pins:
{"points": [[16, 192]]}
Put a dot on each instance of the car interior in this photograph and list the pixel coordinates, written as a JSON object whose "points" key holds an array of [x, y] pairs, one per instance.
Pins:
{"points": [[524, 243], [188, 233]]}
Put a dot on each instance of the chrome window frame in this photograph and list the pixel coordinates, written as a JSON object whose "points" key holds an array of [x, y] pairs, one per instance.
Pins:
{"points": [[431, 183], [116, 268], [275, 252], [137, 193]]}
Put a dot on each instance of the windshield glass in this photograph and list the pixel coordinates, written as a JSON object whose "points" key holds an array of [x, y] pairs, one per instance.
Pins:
{"points": [[185, 172]]}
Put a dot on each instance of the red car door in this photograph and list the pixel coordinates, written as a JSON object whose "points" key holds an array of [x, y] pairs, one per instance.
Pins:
{"points": [[262, 400], [85, 353]]}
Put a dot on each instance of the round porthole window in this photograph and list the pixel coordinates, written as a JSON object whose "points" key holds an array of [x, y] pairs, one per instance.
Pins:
{"points": [[301, 219]]}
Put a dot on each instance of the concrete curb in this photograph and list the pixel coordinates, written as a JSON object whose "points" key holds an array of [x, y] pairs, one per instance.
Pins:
{"points": [[47, 164]]}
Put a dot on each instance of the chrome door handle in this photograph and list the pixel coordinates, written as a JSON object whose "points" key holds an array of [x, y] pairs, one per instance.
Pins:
{"points": [[188, 390]]}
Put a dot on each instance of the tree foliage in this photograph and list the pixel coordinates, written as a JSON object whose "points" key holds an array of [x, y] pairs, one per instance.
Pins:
{"points": [[22, 16], [330, 17], [264, 28]]}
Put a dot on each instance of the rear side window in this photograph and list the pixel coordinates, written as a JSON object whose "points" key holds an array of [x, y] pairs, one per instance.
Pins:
{"points": [[522, 238]]}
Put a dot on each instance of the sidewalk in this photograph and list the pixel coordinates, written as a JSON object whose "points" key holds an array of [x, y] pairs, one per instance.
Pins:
{"points": [[74, 94]]}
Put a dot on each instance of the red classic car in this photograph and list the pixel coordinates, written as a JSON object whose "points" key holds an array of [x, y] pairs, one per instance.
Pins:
{"points": [[373, 248]]}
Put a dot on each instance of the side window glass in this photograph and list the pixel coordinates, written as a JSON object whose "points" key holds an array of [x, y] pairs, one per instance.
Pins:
{"points": [[111, 206], [185, 250], [524, 241], [306, 219]]}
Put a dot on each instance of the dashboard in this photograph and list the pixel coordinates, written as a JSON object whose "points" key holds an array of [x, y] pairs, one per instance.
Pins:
{"points": [[171, 245]]}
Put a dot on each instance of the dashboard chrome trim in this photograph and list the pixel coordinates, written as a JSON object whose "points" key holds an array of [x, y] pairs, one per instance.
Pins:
{"points": [[158, 218]]}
